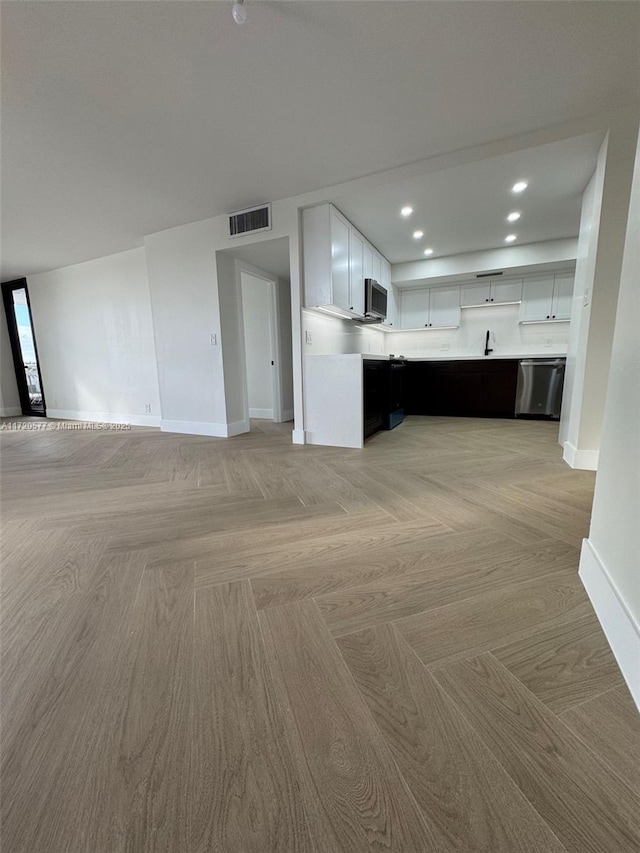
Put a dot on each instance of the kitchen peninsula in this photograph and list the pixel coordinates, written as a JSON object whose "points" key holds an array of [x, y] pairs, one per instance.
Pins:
{"points": [[463, 386]]}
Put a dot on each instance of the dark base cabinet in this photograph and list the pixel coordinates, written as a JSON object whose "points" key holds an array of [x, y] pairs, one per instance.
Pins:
{"points": [[474, 389], [375, 383], [383, 394]]}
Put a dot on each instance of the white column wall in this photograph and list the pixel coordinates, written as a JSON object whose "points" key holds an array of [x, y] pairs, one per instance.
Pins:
{"points": [[610, 561], [597, 281]]}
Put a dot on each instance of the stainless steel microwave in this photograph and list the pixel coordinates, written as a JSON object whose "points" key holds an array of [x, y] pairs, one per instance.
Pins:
{"points": [[375, 300]]}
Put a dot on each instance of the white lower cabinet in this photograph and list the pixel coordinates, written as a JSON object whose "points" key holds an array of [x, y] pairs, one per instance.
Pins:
{"points": [[432, 307]]}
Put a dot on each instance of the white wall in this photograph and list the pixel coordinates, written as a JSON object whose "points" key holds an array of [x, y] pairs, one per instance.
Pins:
{"points": [[283, 295], [193, 296], [580, 313], [610, 562], [232, 339], [94, 332], [9, 398], [323, 334], [184, 299], [598, 274]]}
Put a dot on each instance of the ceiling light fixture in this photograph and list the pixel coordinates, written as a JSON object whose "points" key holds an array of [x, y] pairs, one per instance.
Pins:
{"points": [[519, 187], [428, 251], [406, 211], [513, 217], [239, 12], [418, 234], [510, 238]]}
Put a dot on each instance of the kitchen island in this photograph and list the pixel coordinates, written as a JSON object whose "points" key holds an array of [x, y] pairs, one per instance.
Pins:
{"points": [[458, 386]]}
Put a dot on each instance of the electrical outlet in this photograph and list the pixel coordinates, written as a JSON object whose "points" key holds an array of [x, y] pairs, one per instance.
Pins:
{"points": [[548, 342], [444, 347], [147, 408], [214, 339], [307, 337]]}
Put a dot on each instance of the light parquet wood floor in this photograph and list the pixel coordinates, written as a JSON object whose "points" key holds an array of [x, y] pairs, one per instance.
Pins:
{"points": [[244, 646]]}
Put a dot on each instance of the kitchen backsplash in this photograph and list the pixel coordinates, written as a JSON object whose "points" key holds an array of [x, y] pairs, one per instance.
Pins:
{"points": [[326, 335], [508, 336]]}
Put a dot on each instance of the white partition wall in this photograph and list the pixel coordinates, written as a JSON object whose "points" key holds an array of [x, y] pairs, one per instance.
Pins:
{"points": [[610, 561]]}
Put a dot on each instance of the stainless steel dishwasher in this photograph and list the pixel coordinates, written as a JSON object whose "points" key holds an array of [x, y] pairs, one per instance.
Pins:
{"points": [[539, 388]]}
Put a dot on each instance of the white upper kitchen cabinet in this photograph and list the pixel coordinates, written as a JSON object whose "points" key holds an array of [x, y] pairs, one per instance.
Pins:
{"points": [[430, 308], [486, 292], [444, 306], [340, 261], [377, 268], [475, 294], [367, 261], [414, 309], [356, 276], [330, 255], [503, 292], [562, 297], [546, 298], [393, 313]]}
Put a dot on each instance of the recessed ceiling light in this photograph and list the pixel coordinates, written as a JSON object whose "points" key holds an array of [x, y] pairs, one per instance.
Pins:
{"points": [[519, 187], [428, 251], [513, 217], [406, 211], [510, 238], [418, 234]]}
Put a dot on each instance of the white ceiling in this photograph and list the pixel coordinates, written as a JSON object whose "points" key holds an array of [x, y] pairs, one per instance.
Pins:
{"points": [[464, 209], [120, 119]]}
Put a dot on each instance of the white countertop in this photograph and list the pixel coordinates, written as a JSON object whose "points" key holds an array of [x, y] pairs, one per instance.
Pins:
{"points": [[479, 357]]}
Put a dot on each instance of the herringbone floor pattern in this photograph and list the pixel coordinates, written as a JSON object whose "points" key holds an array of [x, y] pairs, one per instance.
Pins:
{"points": [[239, 645]]}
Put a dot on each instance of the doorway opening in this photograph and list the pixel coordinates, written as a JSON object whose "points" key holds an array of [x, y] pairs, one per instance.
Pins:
{"points": [[255, 297], [259, 300], [15, 296]]}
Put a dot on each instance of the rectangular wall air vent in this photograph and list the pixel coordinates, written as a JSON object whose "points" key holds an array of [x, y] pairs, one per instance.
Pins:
{"points": [[250, 220], [488, 274]]}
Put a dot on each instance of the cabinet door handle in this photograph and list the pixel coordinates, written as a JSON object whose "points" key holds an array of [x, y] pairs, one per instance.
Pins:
{"points": [[487, 299], [548, 317], [554, 317], [491, 300]]}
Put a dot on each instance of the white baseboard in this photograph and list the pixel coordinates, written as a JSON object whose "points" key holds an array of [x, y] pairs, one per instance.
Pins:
{"points": [[238, 428], [261, 413], [619, 626], [205, 428], [585, 460], [297, 436], [10, 412], [104, 417]]}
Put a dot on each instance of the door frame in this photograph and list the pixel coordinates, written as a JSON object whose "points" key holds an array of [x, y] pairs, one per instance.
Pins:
{"points": [[274, 333], [8, 288]]}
